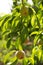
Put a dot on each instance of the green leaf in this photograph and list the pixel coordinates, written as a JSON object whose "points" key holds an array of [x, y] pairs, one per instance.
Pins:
{"points": [[4, 19], [18, 44], [13, 59], [15, 62], [8, 43], [24, 62], [35, 8], [33, 21], [36, 39], [37, 52], [36, 1], [31, 60], [7, 56], [36, 32]]}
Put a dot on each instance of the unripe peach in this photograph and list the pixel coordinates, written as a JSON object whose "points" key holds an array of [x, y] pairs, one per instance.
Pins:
{"points": [[27, 42], [20, 54], [24, 11]]}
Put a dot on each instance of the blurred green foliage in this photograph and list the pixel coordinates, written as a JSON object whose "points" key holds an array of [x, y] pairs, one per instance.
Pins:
{"points": [[16, 28]]}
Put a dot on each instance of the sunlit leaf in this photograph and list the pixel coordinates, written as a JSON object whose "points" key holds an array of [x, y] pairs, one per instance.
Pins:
{"points": [[7, 56]]}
